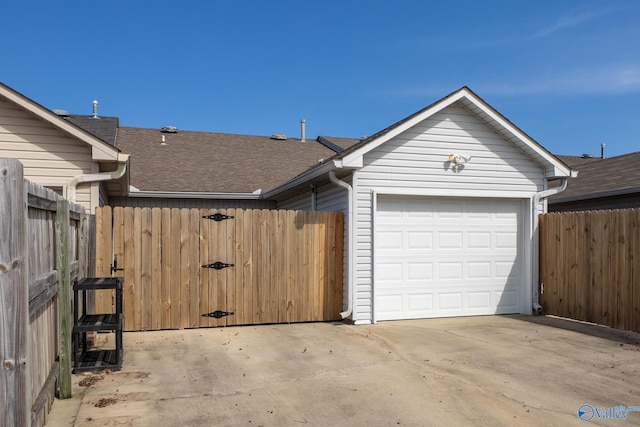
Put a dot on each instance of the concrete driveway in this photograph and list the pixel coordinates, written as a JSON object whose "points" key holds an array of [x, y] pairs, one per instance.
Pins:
{"points": [[485, 371]]}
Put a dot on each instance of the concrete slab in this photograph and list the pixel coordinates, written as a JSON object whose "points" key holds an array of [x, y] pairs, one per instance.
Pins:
{"points": [[496, 370]]}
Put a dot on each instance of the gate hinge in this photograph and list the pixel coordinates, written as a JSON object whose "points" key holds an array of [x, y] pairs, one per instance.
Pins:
{"points": [[217, 265], [218, 314], [217, 216]]}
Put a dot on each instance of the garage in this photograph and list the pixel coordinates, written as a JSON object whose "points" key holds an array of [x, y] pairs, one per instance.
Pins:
{"points": [[447, 256]]}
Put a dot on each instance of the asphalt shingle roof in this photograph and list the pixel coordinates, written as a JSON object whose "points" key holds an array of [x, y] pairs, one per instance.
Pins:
{"points": [[601, 176], [104, 128], [214, 162]]}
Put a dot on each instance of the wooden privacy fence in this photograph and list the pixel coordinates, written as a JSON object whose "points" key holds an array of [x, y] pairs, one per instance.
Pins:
{"points": [[590, 266], [43, 246], [287, 266]]}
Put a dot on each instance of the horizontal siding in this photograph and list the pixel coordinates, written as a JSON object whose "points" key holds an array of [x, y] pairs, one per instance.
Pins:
{"points": [[83, 196], [332, 198], [140, 202], [299, 202], [50, 157], [416, 162]]}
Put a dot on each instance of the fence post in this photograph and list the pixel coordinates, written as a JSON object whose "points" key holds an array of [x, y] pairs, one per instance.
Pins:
{"points": [[64, 297], [15, 394]]}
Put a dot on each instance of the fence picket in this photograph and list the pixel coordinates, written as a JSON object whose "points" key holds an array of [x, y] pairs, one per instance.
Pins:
{"points": [[166, 253], [145, 270], [238, 271], [247, 267], [156, 268], [195, 267], [176, 270], [129, 292], [226, 275]]}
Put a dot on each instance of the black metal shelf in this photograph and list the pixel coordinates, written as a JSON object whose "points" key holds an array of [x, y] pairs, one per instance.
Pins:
{"points": [[98, 322], [87, 359], [98, 360]]}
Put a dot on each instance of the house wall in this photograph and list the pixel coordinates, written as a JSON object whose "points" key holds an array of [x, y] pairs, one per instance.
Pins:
{"points": [[332, 198], [50, 157], [416, 163], [301, 202], [329, 197]]}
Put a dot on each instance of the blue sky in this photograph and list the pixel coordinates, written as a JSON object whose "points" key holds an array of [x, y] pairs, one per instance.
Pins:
{"points": [[566, 72]]}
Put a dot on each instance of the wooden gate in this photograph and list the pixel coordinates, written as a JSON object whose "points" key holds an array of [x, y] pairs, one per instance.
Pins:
{"points": [[287, 266]]}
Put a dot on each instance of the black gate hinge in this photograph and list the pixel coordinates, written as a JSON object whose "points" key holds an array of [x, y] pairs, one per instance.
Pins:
{"points": [[218, 314], [217, 265], [217, 216]]}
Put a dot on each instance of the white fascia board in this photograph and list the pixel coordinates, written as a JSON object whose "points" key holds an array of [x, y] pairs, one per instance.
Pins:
{"points": [[100, 149], [192, 195], [355, 159], [554, 166]]}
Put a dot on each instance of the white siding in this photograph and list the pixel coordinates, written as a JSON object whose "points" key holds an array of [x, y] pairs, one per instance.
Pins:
{"points": [[416, 163], [332, 198], [299, 202], [50, 157], [329, 197]]}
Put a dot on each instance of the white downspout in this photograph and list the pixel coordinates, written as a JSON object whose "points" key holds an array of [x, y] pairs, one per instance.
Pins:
{"points": [[70, 188], [537, 197], [350, 251]]}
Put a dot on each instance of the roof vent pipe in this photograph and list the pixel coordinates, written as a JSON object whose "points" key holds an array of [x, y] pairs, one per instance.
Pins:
{"points": [[602, 150], [95, 109], [303, 125]]}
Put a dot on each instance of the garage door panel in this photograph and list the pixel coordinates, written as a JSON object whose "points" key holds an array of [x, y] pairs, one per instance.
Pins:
{"points": [[459, 258], [449, 271], [420, 302], [449, 240], [419, 271], [508, 297], [450, 301], [479, 270], [506, 240], [479, 300], [389, 240], [419, 240], [479, 240]]}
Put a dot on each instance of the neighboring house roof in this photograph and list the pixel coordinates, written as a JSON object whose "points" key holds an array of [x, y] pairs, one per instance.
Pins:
{"points": [[598, 178], [352, 156], [104, 128], [208, 162]]}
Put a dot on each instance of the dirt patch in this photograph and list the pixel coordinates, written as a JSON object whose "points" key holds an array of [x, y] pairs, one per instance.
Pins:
{"points": [[92, 379], [105, 401]]}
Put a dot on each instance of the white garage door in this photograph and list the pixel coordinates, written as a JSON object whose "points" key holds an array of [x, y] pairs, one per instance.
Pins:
{"points": [[439, 257]]}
